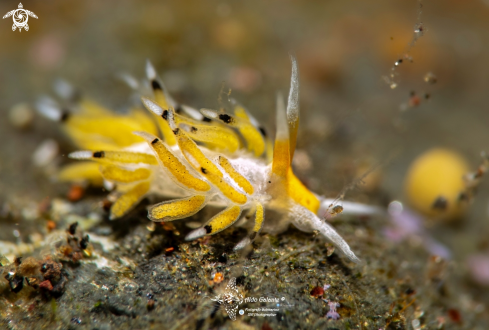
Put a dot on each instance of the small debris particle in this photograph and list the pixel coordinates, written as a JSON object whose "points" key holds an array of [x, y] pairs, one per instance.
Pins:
{"points": [[170, 249], [15, 281], [51, 269], [430, 78], [51, 225], [317, 292], [32, 281], [414, 100], [17, 261], [440, 322], [76, 320], [21, 116], [72, 228], [151, 226], [4, 261], [410, 291], [44, 206], [76, 256], [45, 153], [330, 248], [32, 306], [218, 278], [46, 285], [58, 288], [76, 193], [84, 242], [168, 226], [29, 267], [106, 204], [419, 30], [223, 258], [332, 314], [87, 253], [65, 250], [436, 268], [454, 315], [337, 209]]}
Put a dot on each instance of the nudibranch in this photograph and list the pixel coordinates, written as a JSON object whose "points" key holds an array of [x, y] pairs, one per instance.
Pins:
{"points": [[198, 158]]}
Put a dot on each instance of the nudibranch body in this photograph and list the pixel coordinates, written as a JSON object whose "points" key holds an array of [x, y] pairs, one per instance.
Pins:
{"points": [[198, 158]]}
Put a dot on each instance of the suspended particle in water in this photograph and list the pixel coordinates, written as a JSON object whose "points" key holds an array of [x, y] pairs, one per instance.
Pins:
{"points": [[414, 100], [430, 78], [418, 30]]}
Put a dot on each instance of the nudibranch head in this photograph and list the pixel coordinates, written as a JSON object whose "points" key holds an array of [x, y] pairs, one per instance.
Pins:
{"points": [[197, 158]]}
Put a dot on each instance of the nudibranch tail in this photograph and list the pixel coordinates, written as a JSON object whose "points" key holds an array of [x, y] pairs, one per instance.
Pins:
{"points": [[306, 220]]}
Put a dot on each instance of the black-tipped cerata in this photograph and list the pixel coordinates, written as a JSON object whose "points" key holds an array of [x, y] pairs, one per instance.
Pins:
{"points": [[98, 154], [65, 114], [225, 118], [156, 85], [208, 229]]}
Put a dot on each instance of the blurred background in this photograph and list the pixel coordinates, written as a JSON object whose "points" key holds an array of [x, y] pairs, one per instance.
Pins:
{"points": [[352, 119]]}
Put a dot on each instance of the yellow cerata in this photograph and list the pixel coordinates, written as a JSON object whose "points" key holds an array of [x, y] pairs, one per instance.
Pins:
{"points": [[197, 158]]}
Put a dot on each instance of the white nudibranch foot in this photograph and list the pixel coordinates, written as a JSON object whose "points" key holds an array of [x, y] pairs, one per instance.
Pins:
{"points": [[198, 158]]}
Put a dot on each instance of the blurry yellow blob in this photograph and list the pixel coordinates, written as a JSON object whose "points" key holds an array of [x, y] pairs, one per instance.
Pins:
{"points": [[434, 183]]}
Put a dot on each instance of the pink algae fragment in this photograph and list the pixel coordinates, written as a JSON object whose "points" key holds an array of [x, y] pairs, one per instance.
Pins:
{"points": [[333, 314]]}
